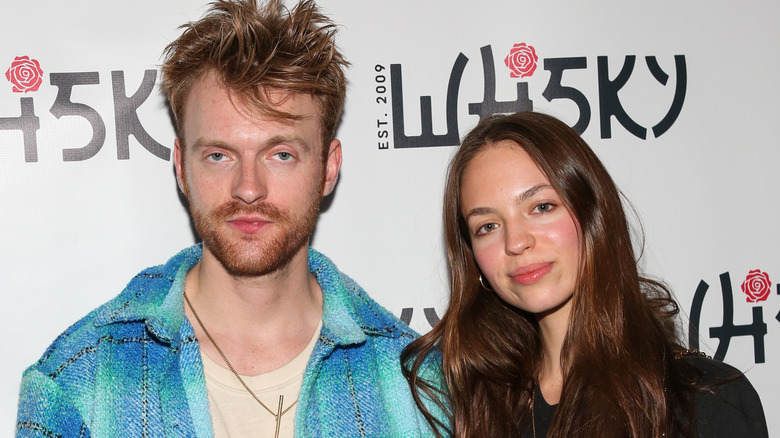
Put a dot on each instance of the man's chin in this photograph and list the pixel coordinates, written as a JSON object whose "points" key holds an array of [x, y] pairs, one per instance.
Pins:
{"points": [[256, 254], [248, 259]]}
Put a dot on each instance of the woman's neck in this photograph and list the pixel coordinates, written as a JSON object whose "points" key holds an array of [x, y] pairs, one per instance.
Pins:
{"points": [[552, 331]]}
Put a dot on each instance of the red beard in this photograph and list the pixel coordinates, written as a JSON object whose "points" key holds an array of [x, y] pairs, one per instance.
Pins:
{"points": [[255, 254]]}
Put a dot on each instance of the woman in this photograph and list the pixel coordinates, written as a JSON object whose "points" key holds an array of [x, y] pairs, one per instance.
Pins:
{"points": [[550, 330]]}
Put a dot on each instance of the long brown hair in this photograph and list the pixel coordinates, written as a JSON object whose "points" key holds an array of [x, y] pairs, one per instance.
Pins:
{"points": [[618, 351]]}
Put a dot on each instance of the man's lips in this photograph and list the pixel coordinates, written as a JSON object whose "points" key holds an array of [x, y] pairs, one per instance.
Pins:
{"points": [[248, 225], [530, 274]]}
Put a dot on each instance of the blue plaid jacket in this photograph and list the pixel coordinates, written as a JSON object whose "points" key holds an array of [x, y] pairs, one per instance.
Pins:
{"points": [[132, 367]]}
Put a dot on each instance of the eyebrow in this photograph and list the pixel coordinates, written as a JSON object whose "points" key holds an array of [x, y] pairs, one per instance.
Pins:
{"points": [[294, 139], [532, 191], [202, 143], [480, 211]]}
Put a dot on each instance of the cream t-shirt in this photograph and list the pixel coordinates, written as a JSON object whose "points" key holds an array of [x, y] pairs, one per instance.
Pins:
{"points": [[235, 414]]}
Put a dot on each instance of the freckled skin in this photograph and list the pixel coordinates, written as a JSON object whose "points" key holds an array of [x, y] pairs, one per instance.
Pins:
{"points": [[254, 184]]}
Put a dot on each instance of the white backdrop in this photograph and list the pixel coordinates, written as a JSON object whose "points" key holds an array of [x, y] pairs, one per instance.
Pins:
{"points": [[75, 231]]}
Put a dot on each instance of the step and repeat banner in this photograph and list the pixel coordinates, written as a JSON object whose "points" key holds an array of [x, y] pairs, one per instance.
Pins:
{"points": [[679, 99]]}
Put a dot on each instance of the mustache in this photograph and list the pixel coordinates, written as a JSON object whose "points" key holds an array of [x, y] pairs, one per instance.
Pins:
{"points": [[237, 208]]}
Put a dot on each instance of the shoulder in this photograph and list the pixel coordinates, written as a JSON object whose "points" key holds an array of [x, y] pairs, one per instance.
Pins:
{"points": [[143, 298], [721, 377], [348, 308], [97, 358], [727, 404], [56, 392]]}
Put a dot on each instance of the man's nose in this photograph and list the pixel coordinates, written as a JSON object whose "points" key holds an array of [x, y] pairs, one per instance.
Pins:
{"points": [[250, 184]]}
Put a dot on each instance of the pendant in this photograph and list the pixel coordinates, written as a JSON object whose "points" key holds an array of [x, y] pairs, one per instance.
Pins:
{"points": [[279, 416]]}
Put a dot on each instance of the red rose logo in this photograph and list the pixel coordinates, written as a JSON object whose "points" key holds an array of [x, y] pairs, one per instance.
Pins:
{"points": [[756, 286], [25, 74], [521, 60]]}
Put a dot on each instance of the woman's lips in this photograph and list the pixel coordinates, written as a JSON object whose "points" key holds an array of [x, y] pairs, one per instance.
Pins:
{"points": [[530, 274]]}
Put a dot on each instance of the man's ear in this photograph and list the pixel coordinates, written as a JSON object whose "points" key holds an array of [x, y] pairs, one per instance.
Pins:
{"points": [[332, 167], [178, 164]]}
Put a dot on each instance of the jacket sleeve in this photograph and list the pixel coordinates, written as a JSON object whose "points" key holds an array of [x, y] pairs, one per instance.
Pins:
{"points": [[45, 410]]}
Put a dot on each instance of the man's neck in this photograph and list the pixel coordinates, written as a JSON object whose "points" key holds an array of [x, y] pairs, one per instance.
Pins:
{"points": [[259, 323]]}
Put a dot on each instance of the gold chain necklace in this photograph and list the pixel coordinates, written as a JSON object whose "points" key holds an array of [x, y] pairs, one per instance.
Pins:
{"points": [[279, 413], [533, 416]]}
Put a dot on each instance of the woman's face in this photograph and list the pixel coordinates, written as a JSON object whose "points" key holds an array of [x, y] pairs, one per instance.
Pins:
{"points": [[524, 240]]}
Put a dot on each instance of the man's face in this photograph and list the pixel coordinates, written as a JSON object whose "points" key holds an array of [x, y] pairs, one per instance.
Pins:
{"points": [[254, 184]]}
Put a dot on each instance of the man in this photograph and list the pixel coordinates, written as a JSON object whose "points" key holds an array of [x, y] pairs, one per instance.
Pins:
{"points": [[251, 333]]}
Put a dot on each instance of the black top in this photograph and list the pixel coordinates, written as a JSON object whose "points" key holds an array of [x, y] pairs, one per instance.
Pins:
{"points": [[731, 409], [543, 414]]}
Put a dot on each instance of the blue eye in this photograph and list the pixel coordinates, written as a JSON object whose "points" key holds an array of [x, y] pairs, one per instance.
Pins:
{"points": [[216, 156], [284, 156]]}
